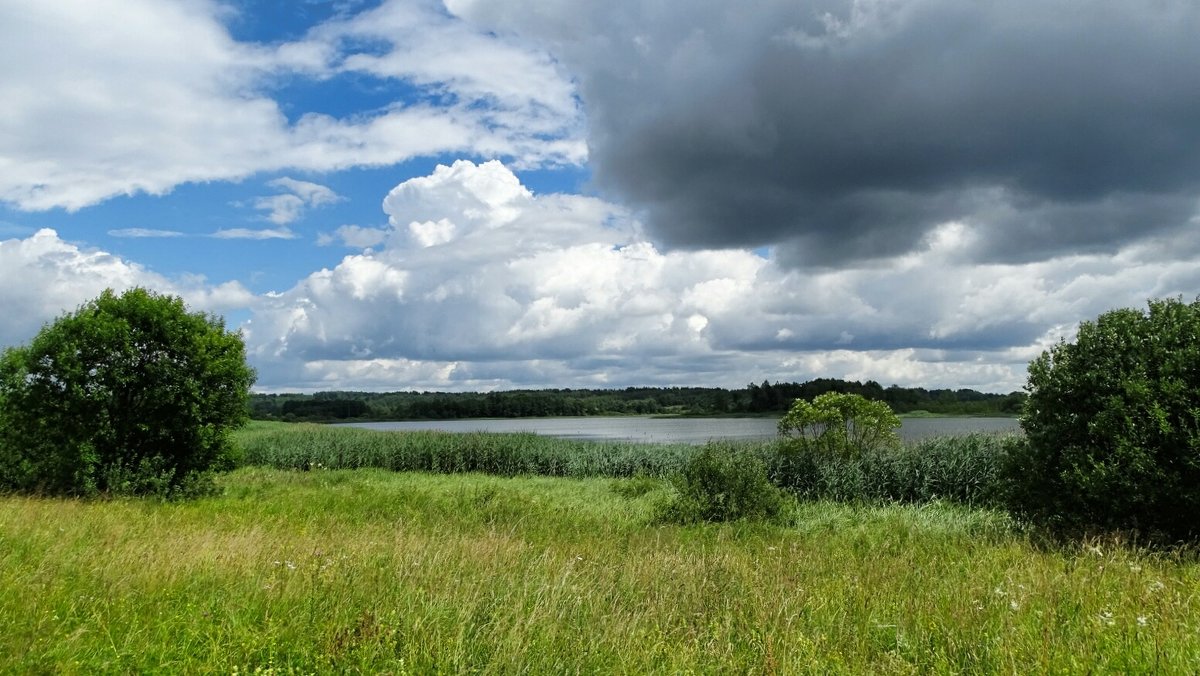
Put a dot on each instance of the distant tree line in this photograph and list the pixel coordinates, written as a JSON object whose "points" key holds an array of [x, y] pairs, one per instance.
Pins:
{"points": [[765, 398]]}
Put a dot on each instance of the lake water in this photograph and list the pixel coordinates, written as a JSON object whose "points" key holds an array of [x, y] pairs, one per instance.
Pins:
{"points": [[676, 430]]}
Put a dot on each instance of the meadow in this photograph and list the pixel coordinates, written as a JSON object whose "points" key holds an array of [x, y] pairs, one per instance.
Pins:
{"points": [[338, 550]]}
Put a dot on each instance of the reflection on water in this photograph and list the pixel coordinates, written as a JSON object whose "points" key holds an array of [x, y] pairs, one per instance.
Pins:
{"points": [[677, 430]]}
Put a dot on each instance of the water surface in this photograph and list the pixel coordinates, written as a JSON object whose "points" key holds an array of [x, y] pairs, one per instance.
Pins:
{"points": [[675, 430]]}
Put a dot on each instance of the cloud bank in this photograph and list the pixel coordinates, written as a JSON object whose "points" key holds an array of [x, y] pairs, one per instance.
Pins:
{"points": [[479, 283], [850, 130], [924, 192]]}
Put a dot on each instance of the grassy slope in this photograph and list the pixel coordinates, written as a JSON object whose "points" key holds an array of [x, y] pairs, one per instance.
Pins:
{"points": [[377, 571]]}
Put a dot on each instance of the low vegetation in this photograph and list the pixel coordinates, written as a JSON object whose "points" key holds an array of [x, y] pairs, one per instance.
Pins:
{"points": [[718, 483], [965, 469], [309, 446], [373, 571]]}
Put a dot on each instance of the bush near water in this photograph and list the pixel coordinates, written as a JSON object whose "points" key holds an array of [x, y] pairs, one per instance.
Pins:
{"points": [[1113, 426]]}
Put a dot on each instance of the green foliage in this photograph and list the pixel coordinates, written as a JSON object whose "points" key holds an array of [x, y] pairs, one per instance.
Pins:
{"points": [[753, 400], [964, 469], [307, 446], [1113, 423], [721, 484], [840, 424], [638, 486], [129, 394], [379, 572]]}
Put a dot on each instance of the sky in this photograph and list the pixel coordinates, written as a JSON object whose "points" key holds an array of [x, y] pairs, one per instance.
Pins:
{"points": [[497, 194]]}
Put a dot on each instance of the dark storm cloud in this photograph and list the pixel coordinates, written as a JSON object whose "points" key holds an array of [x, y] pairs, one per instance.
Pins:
{"points": [[846, 130]]}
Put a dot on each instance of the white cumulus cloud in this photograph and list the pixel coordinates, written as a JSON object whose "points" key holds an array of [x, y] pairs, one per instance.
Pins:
{"points": [[43, 276], [528, 290], [479, 283]]}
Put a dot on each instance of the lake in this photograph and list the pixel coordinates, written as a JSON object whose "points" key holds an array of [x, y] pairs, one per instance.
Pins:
{"points": [[675, 430]]}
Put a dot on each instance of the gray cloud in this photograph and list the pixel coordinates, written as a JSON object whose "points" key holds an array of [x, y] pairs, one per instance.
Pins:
{"points": [[848, 129], [479, 283]]}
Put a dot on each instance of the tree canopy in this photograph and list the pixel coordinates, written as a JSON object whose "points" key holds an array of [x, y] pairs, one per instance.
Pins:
{"points": [[130, 393], [765, 399], [844, 424], [1113, 423]]}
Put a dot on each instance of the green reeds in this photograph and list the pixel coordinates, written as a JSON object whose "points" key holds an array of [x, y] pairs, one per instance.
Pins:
{"points": [[307, 446], [963, 469]]}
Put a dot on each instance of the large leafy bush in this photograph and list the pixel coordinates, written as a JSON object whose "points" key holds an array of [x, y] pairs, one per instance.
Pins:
{"points": [[840, 424], [1113, 426], [722, 484], [129, 394]]}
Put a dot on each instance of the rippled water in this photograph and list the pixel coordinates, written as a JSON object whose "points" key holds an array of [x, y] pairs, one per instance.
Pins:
{"points": [[678, 430]]}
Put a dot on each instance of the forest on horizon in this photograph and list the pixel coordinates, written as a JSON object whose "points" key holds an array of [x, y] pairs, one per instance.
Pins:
{"points": [[754, 399]]}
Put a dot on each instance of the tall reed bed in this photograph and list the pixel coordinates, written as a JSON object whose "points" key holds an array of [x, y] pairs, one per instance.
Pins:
{"points": [[968, 469], [965, 469], [307, 446]]}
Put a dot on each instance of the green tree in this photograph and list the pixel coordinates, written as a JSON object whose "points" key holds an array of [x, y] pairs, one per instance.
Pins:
{"points": [[1113, 425], [128, 394], [842, 424]]}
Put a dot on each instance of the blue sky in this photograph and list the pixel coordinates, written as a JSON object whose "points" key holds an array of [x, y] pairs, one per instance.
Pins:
{"points": [[461, 195]]}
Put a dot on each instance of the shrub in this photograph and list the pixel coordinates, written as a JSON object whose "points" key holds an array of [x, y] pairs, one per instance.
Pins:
{"points": [[129, 394], [840, 424], [721, 484], [1113, 423]]}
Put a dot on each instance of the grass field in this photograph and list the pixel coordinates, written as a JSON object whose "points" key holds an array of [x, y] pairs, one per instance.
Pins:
{"points": [[376, 571]]}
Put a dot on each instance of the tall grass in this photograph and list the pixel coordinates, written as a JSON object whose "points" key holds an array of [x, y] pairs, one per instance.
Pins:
{"points": [[963, 469], [308, 446], [370, 571]]}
